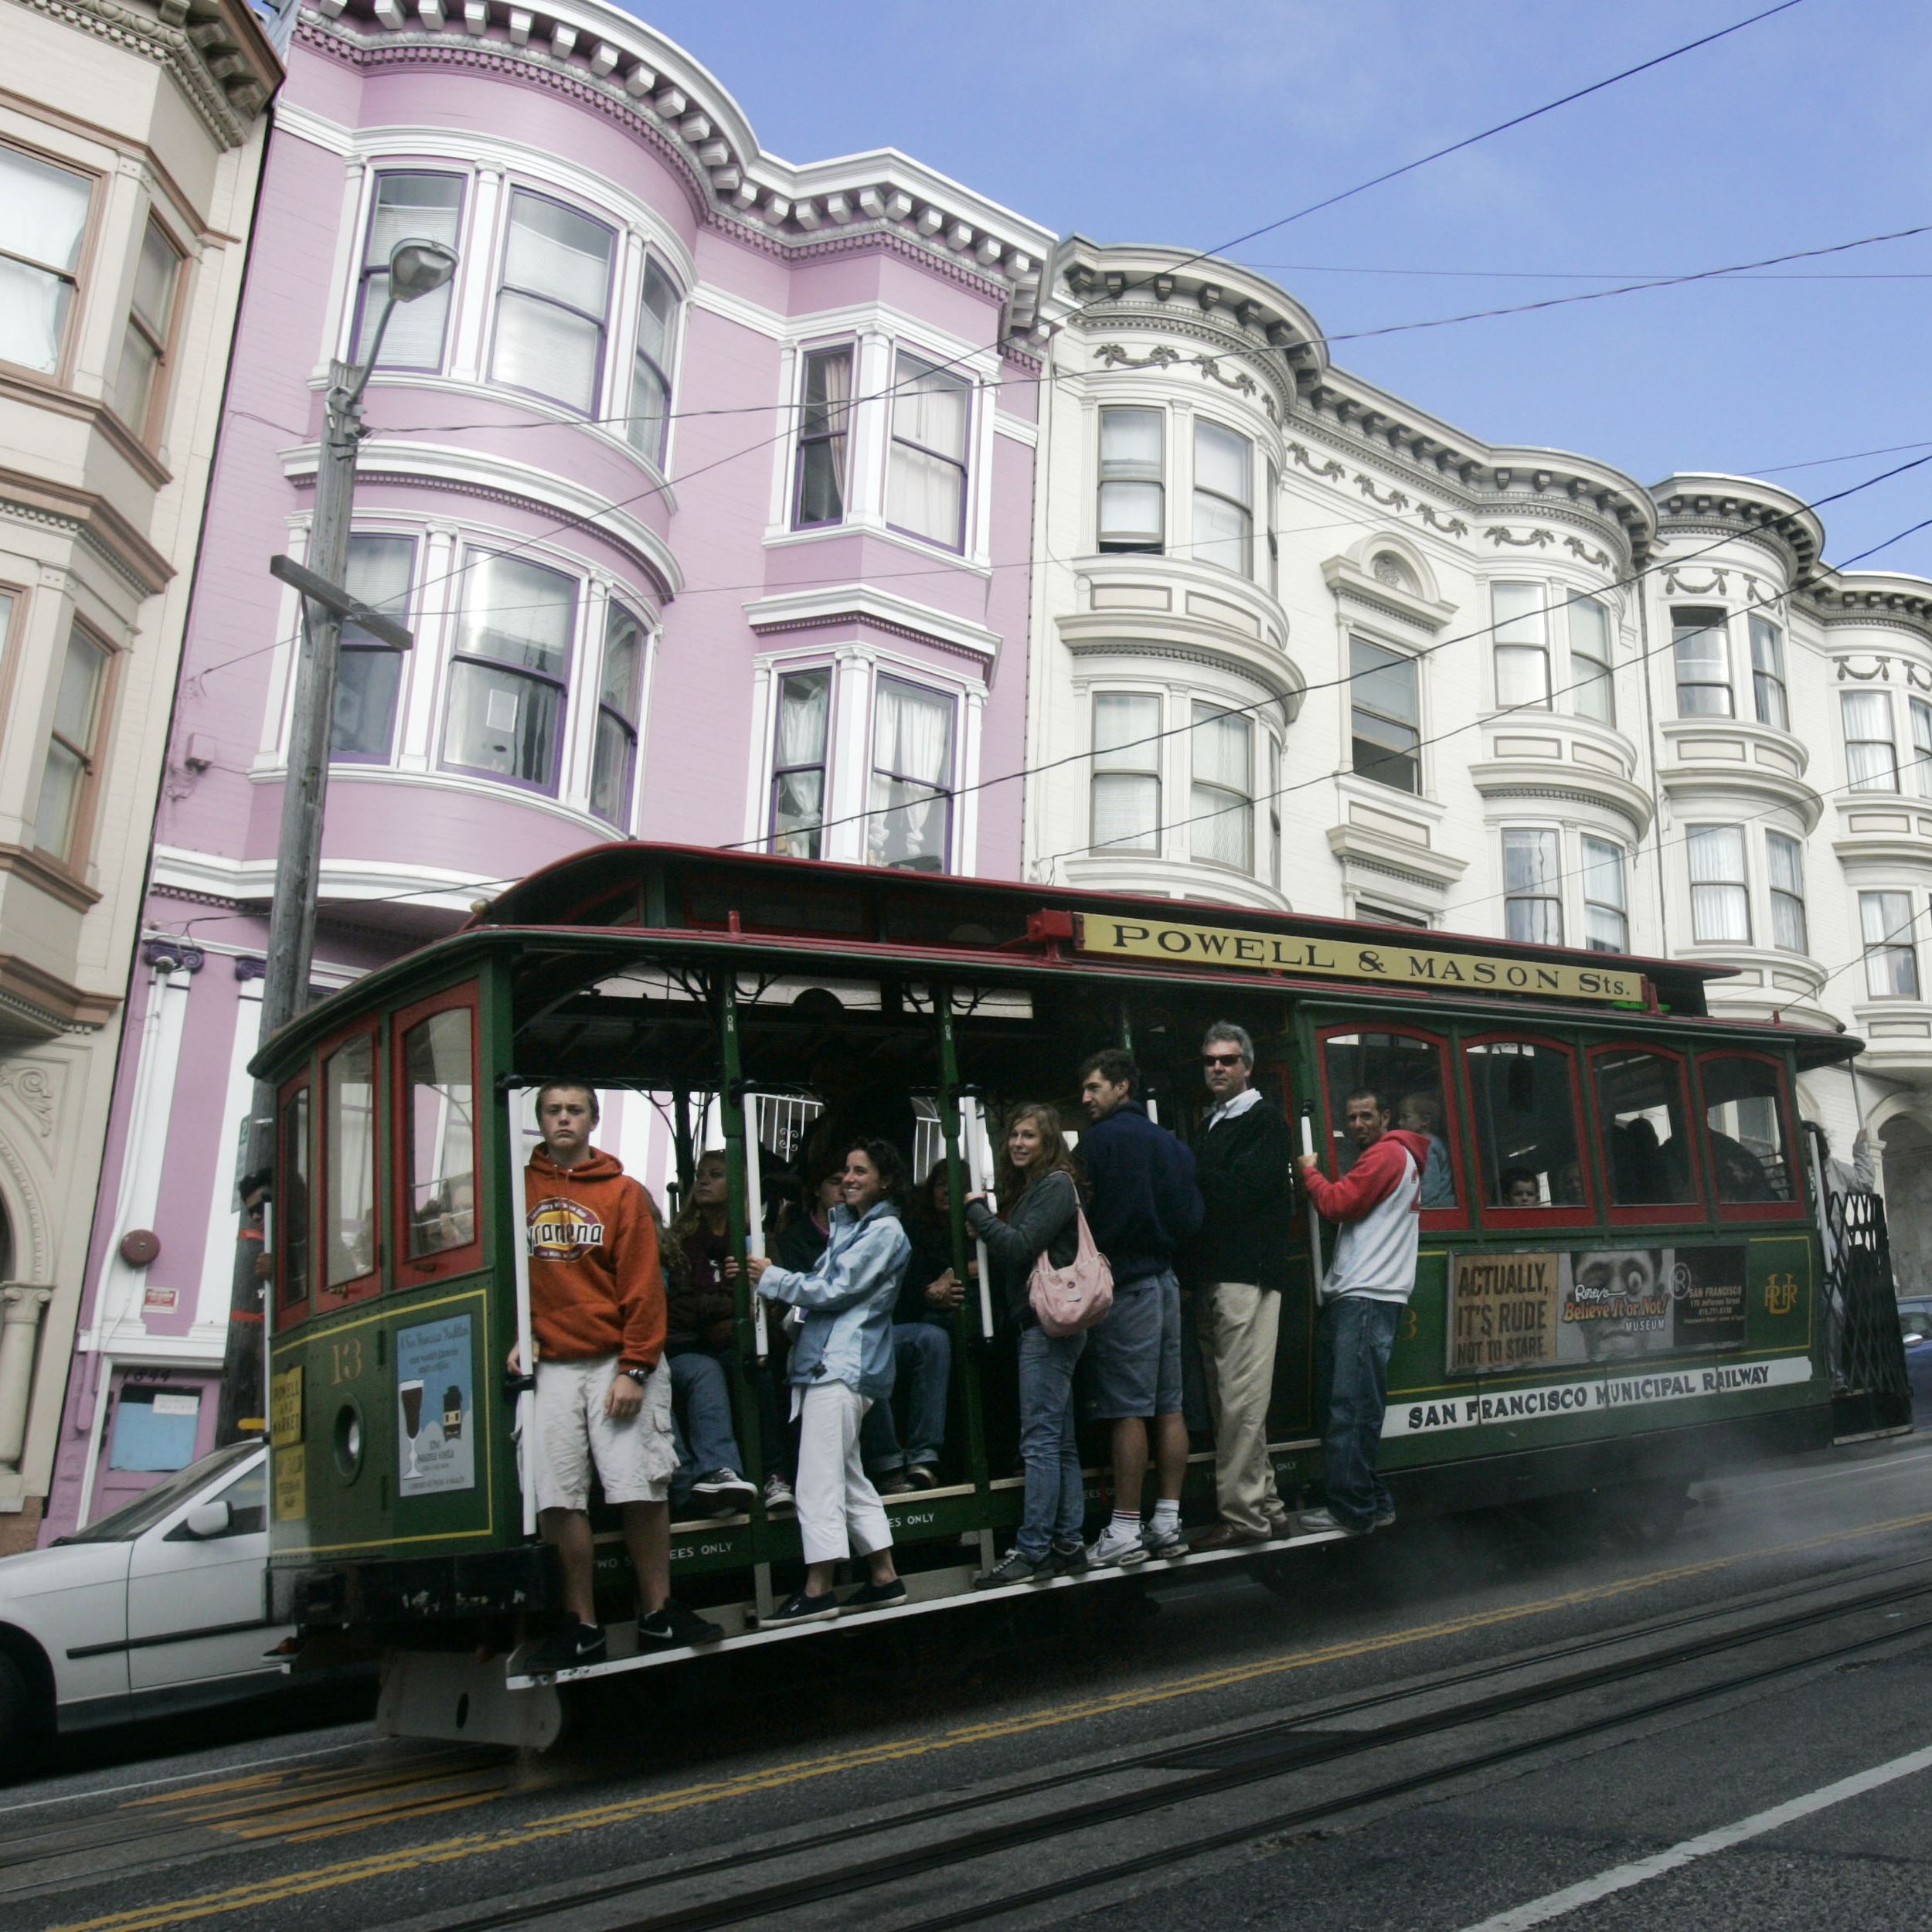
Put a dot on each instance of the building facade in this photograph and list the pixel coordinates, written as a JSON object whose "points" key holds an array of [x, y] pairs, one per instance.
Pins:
{"points": [[706, 488], [131, 140], [1299, 644]]}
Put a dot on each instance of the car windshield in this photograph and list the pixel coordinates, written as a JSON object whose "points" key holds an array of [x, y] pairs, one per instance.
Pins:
{"points": [[151, 1505]]}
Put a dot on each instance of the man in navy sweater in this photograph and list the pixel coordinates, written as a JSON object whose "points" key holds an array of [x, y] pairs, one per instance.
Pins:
{"points": [[1145, 1205]]}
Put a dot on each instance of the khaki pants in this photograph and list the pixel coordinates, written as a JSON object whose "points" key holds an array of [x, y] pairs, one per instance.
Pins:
{"points": [[1239, 1324]]}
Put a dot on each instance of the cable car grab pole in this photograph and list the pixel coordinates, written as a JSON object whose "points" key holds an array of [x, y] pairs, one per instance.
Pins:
{"points": [[1314, 1217]]}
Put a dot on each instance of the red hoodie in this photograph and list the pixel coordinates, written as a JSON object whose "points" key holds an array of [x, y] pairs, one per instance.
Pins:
{"points": [[1377, 1204], [596, 1286]]}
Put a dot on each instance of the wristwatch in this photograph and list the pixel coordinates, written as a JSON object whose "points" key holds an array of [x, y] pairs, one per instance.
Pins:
{"points": [[640, 1376]]}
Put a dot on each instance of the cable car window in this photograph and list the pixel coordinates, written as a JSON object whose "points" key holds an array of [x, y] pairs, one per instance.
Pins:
{"points": [[1524, 1094], [291, 1210], [1405, 1074], [1744, 1128], [348, 1122], [1640, 1115], [440, 1131]]}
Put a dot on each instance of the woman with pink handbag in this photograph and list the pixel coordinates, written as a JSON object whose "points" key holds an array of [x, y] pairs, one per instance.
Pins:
{"points": [[1055, 1285]]}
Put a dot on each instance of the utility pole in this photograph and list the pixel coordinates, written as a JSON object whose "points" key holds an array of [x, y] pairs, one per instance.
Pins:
{"points": [[416, 268]]}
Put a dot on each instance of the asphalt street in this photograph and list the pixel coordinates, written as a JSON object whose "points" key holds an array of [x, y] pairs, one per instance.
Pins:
{"points": [[1492, 1722]]}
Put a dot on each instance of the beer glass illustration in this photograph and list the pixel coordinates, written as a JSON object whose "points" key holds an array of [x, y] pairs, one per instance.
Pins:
{"points": [[411, 1393]]}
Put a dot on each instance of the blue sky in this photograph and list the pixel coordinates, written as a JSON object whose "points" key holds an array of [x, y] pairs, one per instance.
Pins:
{"points": [[1189, 123]]}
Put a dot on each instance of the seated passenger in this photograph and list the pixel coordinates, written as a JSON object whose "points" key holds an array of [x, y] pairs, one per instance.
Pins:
{"points": [[1518, 1187], [1422, 1113], [701, 1233], [1740, 1175], [842, 1362], [922, 1355], [1040, 1185], [602, 1387], [702, 1426]]}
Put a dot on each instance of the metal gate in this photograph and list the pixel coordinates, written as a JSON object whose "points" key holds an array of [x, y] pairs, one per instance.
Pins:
{"points": [[1871, 1393]]}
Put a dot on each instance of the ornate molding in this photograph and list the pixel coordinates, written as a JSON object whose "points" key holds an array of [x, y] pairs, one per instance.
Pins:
{"points": [[1392, 500], [1529, 540], [1449, 525], [1114, 355], [1588, 554], [1298, 453], [34, 1090]]}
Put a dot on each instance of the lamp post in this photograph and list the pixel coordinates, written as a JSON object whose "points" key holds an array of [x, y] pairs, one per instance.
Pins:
{"points": [[416, 268]]}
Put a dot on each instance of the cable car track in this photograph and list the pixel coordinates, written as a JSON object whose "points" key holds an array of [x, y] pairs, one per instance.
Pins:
{"points": [[787, 1895]]}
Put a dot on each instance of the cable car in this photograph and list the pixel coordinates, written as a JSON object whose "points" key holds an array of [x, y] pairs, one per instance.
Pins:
{"points": [[1619, 1286]]}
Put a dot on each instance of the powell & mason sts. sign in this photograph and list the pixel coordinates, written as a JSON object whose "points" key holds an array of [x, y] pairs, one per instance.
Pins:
{"points": [[1187, 945]]}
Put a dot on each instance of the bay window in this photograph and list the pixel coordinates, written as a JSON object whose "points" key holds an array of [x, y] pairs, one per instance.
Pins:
{"points": [[651, 363], [1593, 688], [71, 746], [145, 342], [613, 763], [1702, 654], [509, 679], [368, 674], [1223, 498], [819, 487], [798, 764], [1532, 883], [926, 478], [1126, 807], [1385, 715], [1720, 896], [552, 301], [1871, 752], [408, 206], [43, 218], [1223, 803], [1885, 923], [1133, 504], [1785, 856], [910, 825], [1522, 648], [1606, 902], [1768, 675]]}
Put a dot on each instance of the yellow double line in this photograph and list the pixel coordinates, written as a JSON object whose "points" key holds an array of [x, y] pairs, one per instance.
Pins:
{"points": [[450, 1850]]}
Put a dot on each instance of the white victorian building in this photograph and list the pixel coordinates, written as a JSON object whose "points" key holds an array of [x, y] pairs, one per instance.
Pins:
{"points": [[1298, 644]]}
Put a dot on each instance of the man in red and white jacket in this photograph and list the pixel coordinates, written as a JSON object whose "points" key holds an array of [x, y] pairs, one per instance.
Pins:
{"points": [[1377, 1205]]}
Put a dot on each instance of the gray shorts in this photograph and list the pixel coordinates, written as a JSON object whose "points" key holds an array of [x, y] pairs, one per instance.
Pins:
{"points": [[1132, 1367]]}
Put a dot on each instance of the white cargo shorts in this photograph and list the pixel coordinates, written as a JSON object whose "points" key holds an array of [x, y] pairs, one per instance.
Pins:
{"points": [[634, 1457]]}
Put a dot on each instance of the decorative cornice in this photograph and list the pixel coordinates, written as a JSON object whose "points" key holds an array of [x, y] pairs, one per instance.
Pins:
{"points": [[43, 873], [49, 1005], [1395, 858], [1184, 640], [37, 392], [222, 62], [1114, 355], [861, 603], [88, 517], [1741, 506], [1568, 784], [1352, 583]]}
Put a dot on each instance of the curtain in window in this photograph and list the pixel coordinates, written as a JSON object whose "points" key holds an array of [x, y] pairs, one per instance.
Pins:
{"points": [[1223, 523], [1593, 693], [1523, 659], [651, 366], [1703, 671], [1768, 675], [408, 208], [1871, 758], [822, 426], [1891, 958], [1222, 807], [798, 759], [1922, 746], [555, 252], [71, 745], [912, 760], [1126, 785], [519, 613], [1133, 502], [1720, 904], [43, 214], [1531, 863], [925, 490], [1787, 858], [805, 707], [550, 317], [370, 675], [1606, 928]]}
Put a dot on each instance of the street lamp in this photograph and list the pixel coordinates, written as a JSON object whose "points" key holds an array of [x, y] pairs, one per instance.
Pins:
{"points": [[417, 268]]}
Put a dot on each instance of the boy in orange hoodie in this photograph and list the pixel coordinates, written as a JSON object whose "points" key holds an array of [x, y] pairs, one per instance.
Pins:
{"points": [[602, 1388]]}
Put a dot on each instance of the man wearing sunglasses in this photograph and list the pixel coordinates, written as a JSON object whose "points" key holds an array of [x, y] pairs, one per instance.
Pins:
{"points": [[1238, 1266]]}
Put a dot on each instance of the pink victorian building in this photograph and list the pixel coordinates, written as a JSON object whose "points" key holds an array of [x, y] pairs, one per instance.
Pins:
{"points": [[706, 488]]}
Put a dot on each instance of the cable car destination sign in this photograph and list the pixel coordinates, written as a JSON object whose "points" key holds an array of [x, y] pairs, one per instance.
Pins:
{"points": [[1375, 959]]}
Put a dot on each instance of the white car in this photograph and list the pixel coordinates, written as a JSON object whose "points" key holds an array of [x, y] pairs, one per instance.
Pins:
{"points": [[161, 1606]]}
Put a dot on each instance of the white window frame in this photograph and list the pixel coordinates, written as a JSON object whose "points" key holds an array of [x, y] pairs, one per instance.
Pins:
{"points": [[1244, 567], [1609, 855], [1703, 892], [848, 347], [1896, 940], [1152, 752], [1877, 704], [1783, 898], [1129, 470], [1681, 633], [1522, 638], [1414, 758], [1206, 711], [1583, 663], [602, 380], [1551, 893], [1771, 690]]}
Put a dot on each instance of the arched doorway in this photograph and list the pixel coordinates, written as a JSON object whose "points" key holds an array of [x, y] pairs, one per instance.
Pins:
{"points": [[1906, 1146]]}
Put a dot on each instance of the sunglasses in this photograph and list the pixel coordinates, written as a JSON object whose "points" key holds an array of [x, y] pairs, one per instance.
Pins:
{"points": [[1224, 1060]]}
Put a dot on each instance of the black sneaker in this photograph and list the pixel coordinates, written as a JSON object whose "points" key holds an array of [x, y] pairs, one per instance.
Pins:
{"points": [[1017, 1567], [799, 1608], [1069, 1560], [569, 1648], [726, 1489], [876, 1596], [922, 1476], [672, 1625], [892, 1482]]}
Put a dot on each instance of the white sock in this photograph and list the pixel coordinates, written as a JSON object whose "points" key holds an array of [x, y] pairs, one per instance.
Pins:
{"points": [[1166, 1514], [1127, 1522]]}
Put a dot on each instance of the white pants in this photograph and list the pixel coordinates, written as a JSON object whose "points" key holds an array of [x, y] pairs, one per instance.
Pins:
{"points": [[838, 1509]]}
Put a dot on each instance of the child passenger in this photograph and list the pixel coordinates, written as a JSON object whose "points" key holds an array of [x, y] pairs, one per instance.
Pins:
{"points": [[842, 1363], [1040, 1185]]}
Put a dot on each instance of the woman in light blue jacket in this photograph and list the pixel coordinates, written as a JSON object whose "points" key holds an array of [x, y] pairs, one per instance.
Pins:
{"points": [[842, 1363]]}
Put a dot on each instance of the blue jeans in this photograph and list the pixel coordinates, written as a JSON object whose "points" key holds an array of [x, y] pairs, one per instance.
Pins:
{"points": [[1055, 1508], [701, 1424], [1352, 1390], [922, 1369]]}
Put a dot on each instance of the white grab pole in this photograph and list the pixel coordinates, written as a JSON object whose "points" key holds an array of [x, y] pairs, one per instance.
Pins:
{"points": [[755, 1217], [979, 1172], [520, 1267], [1314, 1217]]}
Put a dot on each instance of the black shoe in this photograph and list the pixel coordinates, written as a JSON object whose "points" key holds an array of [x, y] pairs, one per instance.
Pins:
{"points": [[892, 1482], [876, 1596], [1068, 1559], [569, 1648], [799, 1608], [672, 1625], [922, 1476], [726, 1488], [1017, 1567]]}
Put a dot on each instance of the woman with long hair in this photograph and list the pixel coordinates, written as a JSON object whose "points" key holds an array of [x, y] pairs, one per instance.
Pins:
{"points": [[1041, 1187], [842, 1363]]}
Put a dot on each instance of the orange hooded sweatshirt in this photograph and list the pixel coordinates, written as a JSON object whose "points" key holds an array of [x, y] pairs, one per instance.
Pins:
{"points": [[596, 1286]]}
